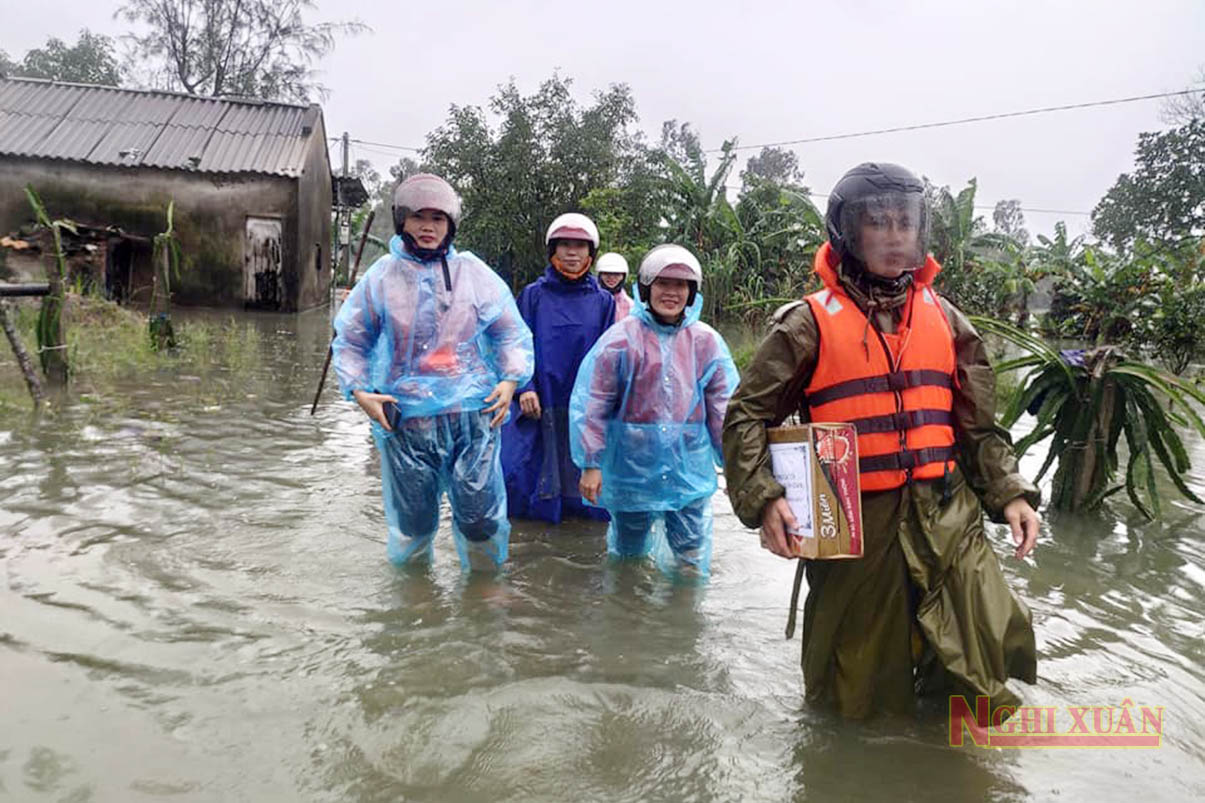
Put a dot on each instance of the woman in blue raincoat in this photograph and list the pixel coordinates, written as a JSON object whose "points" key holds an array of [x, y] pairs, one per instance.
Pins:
{"points": [[431, 346], [646, 415], [567, 311]]}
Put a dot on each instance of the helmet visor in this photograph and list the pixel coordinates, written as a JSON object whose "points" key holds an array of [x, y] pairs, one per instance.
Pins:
{"points": [[887, 232]]}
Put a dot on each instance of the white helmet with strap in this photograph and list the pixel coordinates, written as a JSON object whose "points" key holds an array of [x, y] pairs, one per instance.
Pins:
{"points": [[612, 262], [425, 191], [669, 261], [573, 226]]}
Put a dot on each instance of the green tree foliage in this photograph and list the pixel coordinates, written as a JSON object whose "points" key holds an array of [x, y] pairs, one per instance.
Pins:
{"points": [[697, 210], [1163, 200], [953, 229], [1101, 297], [775, 166], [1178, 334], [255, 48], [961, 242], [91, 60], [757, 254], [545, 157], [380, 202], [783, 225]]}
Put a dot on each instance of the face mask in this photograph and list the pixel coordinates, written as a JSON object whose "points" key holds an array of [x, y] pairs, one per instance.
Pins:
{"points": [[561, 269]]}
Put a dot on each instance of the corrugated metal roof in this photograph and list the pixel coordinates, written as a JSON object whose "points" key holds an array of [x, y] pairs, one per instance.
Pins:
{"points": [[131, 128]]}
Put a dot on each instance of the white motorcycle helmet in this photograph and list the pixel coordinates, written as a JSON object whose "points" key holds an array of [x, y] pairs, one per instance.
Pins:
{"points": [[612, 262], [669, 261], [572, 226], [425, 191]]}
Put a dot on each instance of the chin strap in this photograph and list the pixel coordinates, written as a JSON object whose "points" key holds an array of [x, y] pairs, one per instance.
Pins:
{"points": [[661, 319], [428, 254]]}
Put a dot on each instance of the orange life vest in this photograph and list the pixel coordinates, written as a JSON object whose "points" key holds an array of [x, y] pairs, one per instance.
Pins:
{"points": [[896, 389]]}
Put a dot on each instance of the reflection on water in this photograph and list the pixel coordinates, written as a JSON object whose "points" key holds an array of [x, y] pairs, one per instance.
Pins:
{"points": [[196, 606]]}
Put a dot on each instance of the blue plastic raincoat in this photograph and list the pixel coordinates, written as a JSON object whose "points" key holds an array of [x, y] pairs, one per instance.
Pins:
{"points": [[647, 410], [439, 352], [566, 318]]}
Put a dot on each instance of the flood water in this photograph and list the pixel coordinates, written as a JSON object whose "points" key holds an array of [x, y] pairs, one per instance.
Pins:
{"points": [[196, 606]]}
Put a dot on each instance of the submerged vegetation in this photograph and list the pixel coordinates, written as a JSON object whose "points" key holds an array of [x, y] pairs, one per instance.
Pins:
{"points": [[108, 350], [1086, 401]]}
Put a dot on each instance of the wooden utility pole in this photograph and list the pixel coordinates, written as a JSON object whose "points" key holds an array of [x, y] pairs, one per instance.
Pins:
{"points": [[344, 234], [23, 360]]}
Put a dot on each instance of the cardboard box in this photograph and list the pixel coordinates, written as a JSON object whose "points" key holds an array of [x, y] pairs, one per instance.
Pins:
{"points": [[818, 465]]}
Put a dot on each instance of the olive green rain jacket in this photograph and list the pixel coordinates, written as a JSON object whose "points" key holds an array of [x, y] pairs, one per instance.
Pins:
{"points": [[926, 609]]}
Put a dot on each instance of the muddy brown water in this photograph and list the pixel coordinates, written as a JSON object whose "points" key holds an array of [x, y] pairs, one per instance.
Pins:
{"points": [[196, 606]]}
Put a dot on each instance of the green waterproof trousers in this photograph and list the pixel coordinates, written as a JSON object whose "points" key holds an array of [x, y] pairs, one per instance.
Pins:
{"points": [[925, 609]]}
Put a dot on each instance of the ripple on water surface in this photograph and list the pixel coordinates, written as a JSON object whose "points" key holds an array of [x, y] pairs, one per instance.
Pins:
{"points": [[196, 605]]}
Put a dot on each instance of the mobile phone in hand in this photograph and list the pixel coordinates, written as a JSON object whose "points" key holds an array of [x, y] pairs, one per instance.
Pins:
{"points": [[392, 414]]}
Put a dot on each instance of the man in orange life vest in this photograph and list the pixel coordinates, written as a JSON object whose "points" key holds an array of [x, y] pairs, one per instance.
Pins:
{"points": [[926, 608]]}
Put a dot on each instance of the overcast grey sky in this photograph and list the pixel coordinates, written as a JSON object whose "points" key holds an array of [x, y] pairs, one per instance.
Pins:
{"points": [[771, 71]]}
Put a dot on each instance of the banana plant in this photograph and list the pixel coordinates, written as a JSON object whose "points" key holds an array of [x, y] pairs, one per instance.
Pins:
{"points": [[700, 215]]}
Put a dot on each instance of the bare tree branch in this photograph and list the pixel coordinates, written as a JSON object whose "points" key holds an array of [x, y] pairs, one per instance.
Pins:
{"points": [[259, 48]]}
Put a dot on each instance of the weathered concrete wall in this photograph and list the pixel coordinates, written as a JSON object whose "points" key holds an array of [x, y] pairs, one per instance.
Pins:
{"points": [[210, 215], [314, 223]]}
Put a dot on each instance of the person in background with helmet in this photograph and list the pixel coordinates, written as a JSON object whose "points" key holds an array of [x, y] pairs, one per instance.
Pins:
{"points": [[566, 311], [646, 413], [926, 608], [431, 346], [613, 276]]}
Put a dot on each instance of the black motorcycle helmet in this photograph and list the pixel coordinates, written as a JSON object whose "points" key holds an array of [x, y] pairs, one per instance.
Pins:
{"points": [[869, 185]]}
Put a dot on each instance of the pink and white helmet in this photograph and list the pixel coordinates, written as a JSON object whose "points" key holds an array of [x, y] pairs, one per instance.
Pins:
{"points": [[425, 191], [573, 226], [671, 262]]}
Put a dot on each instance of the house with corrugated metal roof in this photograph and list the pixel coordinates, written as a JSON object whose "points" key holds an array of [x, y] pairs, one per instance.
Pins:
{"points": [[251, 182]]}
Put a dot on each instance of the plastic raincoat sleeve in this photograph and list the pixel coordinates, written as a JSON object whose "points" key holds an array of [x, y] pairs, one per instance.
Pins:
{"points": [[596, 394], [716, 394], [511, 340], [357, 328], [987, 457], [771, 385]]}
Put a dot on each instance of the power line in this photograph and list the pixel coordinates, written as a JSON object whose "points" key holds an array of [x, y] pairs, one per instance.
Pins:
{"points": [[387, 145], [960, 121], [377, 152], [738, 188], [892, 130], [898, 129]]}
